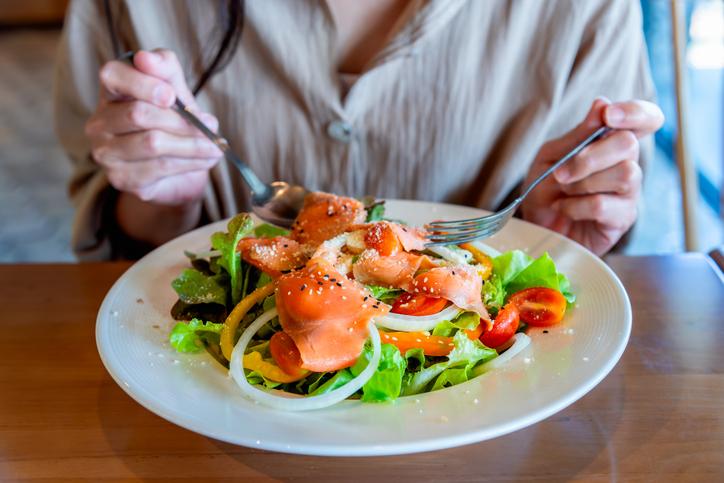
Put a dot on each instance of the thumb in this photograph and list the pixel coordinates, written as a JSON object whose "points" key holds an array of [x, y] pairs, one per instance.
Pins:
{"points": [[164, 64]]}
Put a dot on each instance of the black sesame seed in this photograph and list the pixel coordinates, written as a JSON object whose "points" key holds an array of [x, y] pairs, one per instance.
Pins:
{"points": [[332, 279], [286, 246], [303, 287], [365, 299], [320, 283], [545, 331], [326, 276]]}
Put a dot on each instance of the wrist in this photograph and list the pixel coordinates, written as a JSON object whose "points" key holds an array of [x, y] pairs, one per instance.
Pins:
{"points": [[154, 223]]}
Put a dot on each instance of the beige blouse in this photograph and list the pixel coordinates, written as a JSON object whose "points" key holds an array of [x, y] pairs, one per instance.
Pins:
{"points": [[453, 109]]}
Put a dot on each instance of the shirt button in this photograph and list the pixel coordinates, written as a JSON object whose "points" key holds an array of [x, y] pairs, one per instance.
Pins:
{"points": [[340, 130]]}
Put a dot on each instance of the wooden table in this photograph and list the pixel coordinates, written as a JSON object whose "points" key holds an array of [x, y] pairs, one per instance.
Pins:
{"points": [[658, 416]]}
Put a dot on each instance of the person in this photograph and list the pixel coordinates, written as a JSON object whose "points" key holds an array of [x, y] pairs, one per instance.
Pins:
{"points": [[447, 100]]}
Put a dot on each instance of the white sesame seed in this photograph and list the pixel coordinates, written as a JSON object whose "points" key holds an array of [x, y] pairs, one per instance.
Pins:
{"points": [[394, 338], [344, 297], [289, 293], [418, 340], [424, 280]]}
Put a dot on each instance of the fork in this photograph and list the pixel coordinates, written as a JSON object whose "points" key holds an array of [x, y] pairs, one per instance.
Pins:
{"points": [[455, 232]]}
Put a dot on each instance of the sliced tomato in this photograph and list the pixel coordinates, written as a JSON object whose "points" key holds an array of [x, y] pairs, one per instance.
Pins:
{"points": [[286, 355], [539, 306], [504, 327], [418, 304], [431, 345], [382, 238]]}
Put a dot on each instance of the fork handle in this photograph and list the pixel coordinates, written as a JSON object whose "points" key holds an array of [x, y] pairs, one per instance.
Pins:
{"points": [[259, 189], [598, 134]]}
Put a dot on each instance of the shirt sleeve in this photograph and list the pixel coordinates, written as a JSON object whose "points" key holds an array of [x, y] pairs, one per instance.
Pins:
{"points": [[611, 61], [84, 47]]}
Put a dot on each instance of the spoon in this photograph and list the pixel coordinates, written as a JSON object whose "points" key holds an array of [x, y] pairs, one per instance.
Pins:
{"points": [[278, 202]]}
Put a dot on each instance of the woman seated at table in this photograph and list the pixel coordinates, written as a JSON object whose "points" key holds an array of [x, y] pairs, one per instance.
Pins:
{"points": [[446, 100]]}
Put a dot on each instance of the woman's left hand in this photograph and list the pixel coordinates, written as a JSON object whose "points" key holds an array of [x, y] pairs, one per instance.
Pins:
{"points": [[593, 197]]}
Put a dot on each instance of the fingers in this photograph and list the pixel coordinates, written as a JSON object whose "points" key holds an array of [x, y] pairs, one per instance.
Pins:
{"points": [[153, 144], [623, 179], [592, 121], [642, 117], [163, 64], [136, 177], [599, 156], [611, 211], [133, 116], [121, 81]]}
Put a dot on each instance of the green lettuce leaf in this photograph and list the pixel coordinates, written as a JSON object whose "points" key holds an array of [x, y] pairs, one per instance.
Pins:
{"points": [[466, 320], [465, 356], [508, 265], [386, 382], [195, 287], [338, 380], [540, 273], [189, 337], [265, 230], [415, 360], [514, 271], [493, 293], [238, 227], [384, 294]]}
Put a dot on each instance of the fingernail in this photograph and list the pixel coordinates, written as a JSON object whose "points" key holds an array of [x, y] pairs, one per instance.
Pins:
{"points": [[615, 115], [162, 95], [562, 175]]}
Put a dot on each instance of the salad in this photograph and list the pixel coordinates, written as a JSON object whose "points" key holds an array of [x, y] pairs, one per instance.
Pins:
{"points": [[350, 305]]}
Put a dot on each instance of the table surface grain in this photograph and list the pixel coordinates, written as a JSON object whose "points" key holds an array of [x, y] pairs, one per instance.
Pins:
{"points": [[659, 416]]}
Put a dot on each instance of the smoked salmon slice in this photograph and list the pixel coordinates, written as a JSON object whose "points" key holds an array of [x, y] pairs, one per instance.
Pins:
{"points": [[397, 271], [411, 238], [460, 284], [325, 216], [273, 255], [326, 315]]}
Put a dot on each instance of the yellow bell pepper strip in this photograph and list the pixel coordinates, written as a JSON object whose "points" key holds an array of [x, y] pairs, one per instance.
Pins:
{"points": [[254, 362], [486, 269], [234, 319]]}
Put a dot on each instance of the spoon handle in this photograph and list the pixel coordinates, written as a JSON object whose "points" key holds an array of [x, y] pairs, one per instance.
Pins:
{"points": [[258, 188]]}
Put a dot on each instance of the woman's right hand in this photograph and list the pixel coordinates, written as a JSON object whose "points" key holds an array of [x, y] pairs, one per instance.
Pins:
{"points": [[146, 148]]}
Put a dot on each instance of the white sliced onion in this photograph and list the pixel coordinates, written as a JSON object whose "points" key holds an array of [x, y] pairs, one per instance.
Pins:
{"points": [[459, 256], [294, 402], [521, 342], [487, 249], [413, 323]]}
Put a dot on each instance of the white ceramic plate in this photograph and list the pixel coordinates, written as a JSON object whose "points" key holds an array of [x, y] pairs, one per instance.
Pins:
{"points": [[194, 392]]}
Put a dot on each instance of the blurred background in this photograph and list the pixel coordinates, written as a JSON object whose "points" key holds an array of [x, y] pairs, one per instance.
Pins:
{"points": [[36, 215]]}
